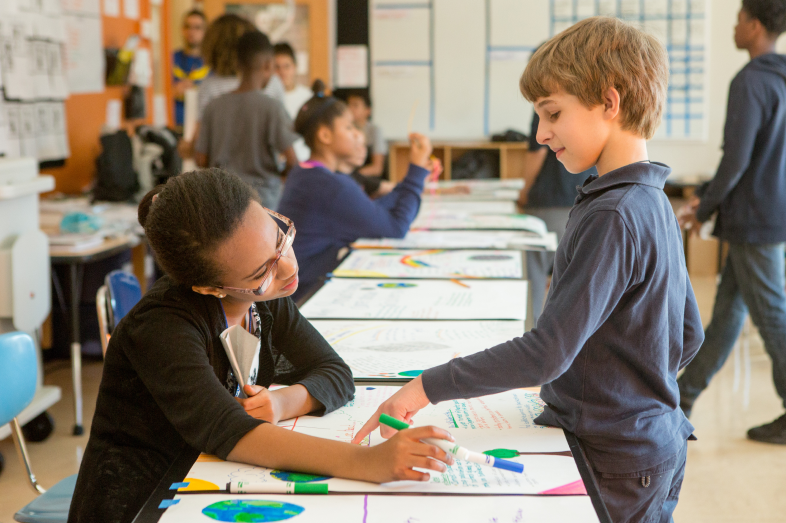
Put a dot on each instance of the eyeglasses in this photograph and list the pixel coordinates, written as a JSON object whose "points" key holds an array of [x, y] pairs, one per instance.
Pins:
{"points": [[281, 250]]}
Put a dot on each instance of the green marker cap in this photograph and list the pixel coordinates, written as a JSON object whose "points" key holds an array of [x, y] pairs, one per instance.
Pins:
{"points": [[311, 488], [392, 422]]}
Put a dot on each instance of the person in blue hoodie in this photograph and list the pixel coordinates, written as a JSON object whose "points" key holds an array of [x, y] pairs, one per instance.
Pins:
{"points": [[749, 195], [330, 209]]}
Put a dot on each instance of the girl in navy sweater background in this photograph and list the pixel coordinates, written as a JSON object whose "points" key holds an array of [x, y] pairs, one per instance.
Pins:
{"points": [[330, 209]]}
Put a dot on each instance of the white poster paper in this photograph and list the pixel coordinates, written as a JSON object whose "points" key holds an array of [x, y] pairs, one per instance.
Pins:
{"points": [[432, 263], [502, 423], [131, 9], [461, 240], [208, 508], [84, 54], [352, 66], [466, 221], [343, 298], [401, 350]]}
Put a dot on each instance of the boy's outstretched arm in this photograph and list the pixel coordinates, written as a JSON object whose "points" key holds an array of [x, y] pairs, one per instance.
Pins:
{"points": [[692, 330], [601, 269]]}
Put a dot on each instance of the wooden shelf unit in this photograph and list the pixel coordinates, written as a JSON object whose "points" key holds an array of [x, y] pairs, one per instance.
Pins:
{"points": [[512, 156]]}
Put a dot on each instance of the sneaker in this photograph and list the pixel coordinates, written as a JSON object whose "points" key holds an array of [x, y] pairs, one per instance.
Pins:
{"points": [[773, 432]]}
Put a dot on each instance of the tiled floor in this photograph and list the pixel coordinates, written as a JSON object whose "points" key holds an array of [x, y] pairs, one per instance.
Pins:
{"points": [[728, 479]]}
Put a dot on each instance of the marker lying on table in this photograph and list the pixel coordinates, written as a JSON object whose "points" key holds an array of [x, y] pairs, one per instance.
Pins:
{"points": [[457, 451], [289, 487]]}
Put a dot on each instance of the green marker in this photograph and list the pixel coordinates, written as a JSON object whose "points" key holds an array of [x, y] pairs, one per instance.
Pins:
{"points": [[457, 451], [289, 487]]}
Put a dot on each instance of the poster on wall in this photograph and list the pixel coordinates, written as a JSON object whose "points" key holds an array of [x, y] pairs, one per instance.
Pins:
{"points": [[284, 22], [84, 54]]}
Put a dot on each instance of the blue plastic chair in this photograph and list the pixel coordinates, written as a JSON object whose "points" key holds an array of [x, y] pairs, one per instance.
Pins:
{"points": [[18, 374], [124, 292]]}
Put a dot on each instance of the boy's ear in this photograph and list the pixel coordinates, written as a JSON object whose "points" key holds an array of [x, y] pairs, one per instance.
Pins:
{"points": [[611, 103]]}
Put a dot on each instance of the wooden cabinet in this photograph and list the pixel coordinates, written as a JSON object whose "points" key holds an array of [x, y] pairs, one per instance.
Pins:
{"points": [[511, 157]]}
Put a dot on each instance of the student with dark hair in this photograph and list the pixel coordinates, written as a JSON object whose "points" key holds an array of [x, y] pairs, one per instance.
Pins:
{"points": [[245, 131], [295, 94], [360, 106], [188, 68], [372, 185], [168, 386], [749, 195], [330, 208]]}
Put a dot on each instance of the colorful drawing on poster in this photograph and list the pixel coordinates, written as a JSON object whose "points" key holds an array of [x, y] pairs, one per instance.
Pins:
{"points": [[252, 510], [410, 373], [296, 477], [491, 257], [576, 488], [198, 484], [396, 285]]}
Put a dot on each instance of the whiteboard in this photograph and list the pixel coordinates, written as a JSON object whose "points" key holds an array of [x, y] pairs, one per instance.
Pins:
{"points": [[471, 54]]}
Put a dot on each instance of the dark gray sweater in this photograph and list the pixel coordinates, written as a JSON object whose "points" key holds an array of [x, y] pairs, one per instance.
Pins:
{"points": [[749, 189], [164, 390], [619, 322]]}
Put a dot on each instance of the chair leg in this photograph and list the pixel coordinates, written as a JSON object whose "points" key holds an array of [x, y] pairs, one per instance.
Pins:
{"points": [[19, 442]]}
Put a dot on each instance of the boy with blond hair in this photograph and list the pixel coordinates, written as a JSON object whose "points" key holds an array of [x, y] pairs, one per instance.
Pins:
{"points": [[621, 318]]}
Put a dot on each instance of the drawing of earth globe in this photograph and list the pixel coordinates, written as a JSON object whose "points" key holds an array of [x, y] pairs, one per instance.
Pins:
{"points": [[296, 477], [252, 510]]}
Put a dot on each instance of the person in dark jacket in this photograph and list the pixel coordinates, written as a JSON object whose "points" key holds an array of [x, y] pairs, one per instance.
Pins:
{"points": [[168, 387], [621, 318], [330, 208], [749, 195]]}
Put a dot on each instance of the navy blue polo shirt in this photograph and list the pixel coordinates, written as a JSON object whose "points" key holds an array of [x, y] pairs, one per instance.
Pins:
{"points": [[620, 320]]}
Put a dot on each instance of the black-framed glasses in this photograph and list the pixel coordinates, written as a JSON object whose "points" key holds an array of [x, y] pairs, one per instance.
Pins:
{"points": [[281, 250]]}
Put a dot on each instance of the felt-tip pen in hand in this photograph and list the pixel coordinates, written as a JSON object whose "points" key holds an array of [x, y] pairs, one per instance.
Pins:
{"points": [[457, 451], [289, 487]]}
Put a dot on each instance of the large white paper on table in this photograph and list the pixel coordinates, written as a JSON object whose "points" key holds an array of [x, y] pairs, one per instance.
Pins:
{"points": [[463, 220], [378, 509], [436, 205], [501, 423], [363, 299], [478, 190], [403, 349], [433, 263], [462, 240], [478, 185]]}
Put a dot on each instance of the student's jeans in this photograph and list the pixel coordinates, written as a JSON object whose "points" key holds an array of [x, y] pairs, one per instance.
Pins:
{"points": [[646, 496], [752, 282]]}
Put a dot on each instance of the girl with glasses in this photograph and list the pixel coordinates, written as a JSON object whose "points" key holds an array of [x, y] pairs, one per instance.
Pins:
{"points": [[168, 386]]}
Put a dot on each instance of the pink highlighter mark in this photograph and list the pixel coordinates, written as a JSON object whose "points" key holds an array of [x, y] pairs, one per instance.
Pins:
{"points": [[571, 489]]}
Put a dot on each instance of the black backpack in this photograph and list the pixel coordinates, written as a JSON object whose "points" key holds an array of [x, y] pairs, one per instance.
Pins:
{"points": [[116, 180]]}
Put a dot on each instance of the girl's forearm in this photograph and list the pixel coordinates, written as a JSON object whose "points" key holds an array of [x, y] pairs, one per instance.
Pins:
{"points": [[295, 401]]}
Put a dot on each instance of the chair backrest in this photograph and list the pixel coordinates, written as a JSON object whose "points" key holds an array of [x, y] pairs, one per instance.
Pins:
{"points": [[102, 306], [18, 374], [124, 293]]}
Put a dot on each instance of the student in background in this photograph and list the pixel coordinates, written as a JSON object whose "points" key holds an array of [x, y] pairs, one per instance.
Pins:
{"points": [[749, 194], [330, 209], [549, 192], [246, 130], [168, 385], [621, 318], [360, 106], [188, 68], [295, 94], [219, 50]]}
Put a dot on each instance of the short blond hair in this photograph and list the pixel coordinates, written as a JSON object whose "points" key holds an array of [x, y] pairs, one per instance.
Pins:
{"points": [[595, 54]]}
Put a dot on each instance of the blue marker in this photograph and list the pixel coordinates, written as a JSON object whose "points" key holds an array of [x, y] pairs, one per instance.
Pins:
{"points": [[457, 451]]}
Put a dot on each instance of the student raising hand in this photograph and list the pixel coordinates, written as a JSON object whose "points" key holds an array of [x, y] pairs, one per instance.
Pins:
{"points": [[403, 405]]}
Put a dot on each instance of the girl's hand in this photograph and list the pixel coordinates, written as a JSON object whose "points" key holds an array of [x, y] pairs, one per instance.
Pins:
{"points": [[419, 150], [394, 459], [261, 403], [402, 405]]}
